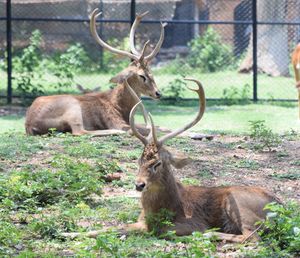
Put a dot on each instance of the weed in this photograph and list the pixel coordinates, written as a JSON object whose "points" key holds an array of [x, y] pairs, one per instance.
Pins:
{"points": [[262, 136], [281, 235], [158, 222], [174, 90], [289, 176]]}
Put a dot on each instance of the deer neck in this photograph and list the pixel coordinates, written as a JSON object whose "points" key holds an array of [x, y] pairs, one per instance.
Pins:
{"points": [[123, 100], [163, 195]]}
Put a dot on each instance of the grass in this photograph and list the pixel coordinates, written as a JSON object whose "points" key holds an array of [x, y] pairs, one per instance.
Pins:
{"points": [[214, 83], [217, 119]]}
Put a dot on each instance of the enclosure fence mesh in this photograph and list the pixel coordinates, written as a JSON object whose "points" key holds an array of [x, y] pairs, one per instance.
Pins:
{"points": [[211, 40]]}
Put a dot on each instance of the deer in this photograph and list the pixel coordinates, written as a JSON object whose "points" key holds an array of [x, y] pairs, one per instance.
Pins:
{"points": [[99, 113], [234, 210], [296, 66]]}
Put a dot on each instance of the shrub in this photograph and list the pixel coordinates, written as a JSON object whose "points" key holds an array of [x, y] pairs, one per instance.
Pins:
{"points": [[66, 180], [174, 89], [111, 63], [281, 233], [262, 136], [209, 53], [233, 96], [27, 66], [65, 65]]}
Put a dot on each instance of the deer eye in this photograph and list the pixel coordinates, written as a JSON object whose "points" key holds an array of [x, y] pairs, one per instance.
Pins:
{"points": [[143, 77]]}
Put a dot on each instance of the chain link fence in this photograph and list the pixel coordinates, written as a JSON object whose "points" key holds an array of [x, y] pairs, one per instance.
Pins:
{"points": [[239, 49]]}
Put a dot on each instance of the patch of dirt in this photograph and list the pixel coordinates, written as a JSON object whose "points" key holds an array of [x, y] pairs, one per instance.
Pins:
{"points": [[224, 161]]}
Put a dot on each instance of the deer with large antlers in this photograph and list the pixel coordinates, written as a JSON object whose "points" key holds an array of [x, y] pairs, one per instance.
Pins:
{"points": [[102, 113], [296, 66], [233, 209]]}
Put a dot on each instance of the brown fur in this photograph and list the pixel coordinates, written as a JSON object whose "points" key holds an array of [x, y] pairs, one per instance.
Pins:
{"points": [[92, 112], [296, 66], [232, 209]]}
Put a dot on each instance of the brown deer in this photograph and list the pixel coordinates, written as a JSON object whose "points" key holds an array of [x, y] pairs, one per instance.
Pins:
{"points": [[232, 209], [102, 113], [296, 66]]}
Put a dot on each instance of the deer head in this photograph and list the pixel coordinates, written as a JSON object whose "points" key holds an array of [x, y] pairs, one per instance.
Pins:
{"points": [[138, 73], [156, 160]]}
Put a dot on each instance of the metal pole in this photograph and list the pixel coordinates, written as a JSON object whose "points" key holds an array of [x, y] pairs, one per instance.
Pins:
{"points": [[254, 31], [132, 12], [9, 50], [101, 34]]}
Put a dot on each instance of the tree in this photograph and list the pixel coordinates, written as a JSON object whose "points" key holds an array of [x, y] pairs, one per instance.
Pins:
{"points": [[273, 53]]}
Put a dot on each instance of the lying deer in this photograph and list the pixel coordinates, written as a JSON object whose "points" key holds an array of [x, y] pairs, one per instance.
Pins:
{"points": [[232, 209], [296, 66], [102, 113]]}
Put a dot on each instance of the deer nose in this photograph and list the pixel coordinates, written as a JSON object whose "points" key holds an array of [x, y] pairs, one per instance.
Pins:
{"points": [[158, 94], [139, 186]]}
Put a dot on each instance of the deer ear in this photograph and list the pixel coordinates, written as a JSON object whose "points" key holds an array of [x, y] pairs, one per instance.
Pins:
{"points": [[178, 159], [121, 77]]}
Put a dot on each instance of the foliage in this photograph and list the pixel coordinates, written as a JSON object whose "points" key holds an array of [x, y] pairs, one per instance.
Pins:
{"points": [[281, 232], [233, 96], [160, 221], [209, 53], [27, 66], [65, 65], [111, 62], [262, 136], [174, 90], [66, 180], [9, 236], [31, 66]]}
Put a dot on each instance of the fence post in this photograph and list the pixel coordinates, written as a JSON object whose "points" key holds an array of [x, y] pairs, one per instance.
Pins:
{"points": [[9, 51], [254, 57], [132, 12]]}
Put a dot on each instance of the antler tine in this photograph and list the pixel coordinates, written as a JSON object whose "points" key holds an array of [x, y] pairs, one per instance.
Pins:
{"points": [[152, 135], [159, 43], [202, 103], [93, 29], [135, 132], [142, 56], [137, 21]]}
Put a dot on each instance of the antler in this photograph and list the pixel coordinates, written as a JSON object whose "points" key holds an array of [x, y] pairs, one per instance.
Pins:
{"points": [[152, 135], [93, 29], [202, 103], [132, 34]]}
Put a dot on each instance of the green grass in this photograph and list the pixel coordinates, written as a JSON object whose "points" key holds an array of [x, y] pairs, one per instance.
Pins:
{"points": [[214, 83], [217, 118]]}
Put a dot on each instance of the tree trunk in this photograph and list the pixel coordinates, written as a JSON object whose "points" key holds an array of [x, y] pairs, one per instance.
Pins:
{"points": [[272, 47]]}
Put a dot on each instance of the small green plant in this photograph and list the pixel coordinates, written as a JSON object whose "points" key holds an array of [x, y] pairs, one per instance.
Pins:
{"points": [[160, 221], [111, 63], [27, 67], [66, 64], [174, 90], [233, 96], [9, 237], [209, 53], [262, 136], [281, 231]]}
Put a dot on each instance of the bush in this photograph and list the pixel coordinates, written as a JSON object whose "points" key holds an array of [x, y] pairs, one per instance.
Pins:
{"points": [[174, 89], [262, 136], [233, 96], [209, 53], [27, 67], [281, 233], [66, 180]]}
